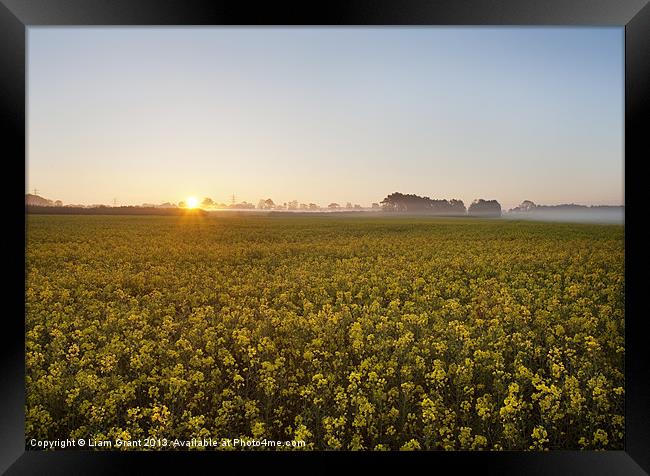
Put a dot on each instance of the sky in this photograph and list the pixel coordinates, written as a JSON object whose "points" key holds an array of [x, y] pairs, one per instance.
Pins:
{"points": [[150, 115]]}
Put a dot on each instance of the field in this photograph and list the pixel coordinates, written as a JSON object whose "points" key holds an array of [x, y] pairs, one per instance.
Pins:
{"points": [[347, 333]]}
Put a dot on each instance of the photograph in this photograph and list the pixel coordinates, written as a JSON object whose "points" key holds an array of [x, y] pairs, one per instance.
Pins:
{"points": [[321, 238]]}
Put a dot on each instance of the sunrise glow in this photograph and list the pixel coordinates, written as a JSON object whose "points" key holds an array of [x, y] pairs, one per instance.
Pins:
{"points": [[192, 202]]}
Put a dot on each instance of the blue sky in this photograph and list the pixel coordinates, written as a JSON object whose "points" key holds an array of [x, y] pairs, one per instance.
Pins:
{"points": [[326, 114]]}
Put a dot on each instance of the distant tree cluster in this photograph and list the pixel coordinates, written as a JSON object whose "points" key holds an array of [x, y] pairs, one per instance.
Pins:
{"points": [[267, 204], [411, 203], [395, 202], [209, 204], [529, 206], [524, 206], [32, 200], [484, 208], [105, 210], [242, 206]]}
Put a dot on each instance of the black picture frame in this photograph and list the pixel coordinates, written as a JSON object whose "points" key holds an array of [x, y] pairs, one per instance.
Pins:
{"points": [[17, 15]]}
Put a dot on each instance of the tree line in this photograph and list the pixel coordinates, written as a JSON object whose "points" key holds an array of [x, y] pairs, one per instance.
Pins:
{"points": [[410, 203], [394, 203]]}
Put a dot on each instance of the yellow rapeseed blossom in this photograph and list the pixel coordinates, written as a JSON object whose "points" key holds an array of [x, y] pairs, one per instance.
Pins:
{"points": [[347, 333]]}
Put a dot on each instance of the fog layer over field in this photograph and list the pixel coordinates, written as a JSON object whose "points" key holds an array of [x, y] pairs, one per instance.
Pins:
{"points": [[613, 215]]}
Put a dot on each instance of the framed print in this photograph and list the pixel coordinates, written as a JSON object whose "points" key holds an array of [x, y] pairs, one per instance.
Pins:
{"points": [[369, 231]]}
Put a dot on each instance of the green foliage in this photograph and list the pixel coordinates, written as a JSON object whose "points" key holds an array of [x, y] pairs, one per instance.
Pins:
{"points": [[349, 333]]}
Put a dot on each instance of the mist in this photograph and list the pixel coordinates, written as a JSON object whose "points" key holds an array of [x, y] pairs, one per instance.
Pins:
{"points": [[604, 215]]}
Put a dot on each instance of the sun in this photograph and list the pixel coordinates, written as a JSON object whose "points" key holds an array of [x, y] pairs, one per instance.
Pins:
{"points": [[192, 202]]}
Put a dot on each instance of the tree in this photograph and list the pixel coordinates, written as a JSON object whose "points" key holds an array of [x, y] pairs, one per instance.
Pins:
{"points": [[375, 206], [458, 206], [333, 206], [485, 208], [524, 206], [348, 205], [395, 202], [313, 207], [241, 206], [399, 202], [207, 203], [292, 205], [267, 204]]}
